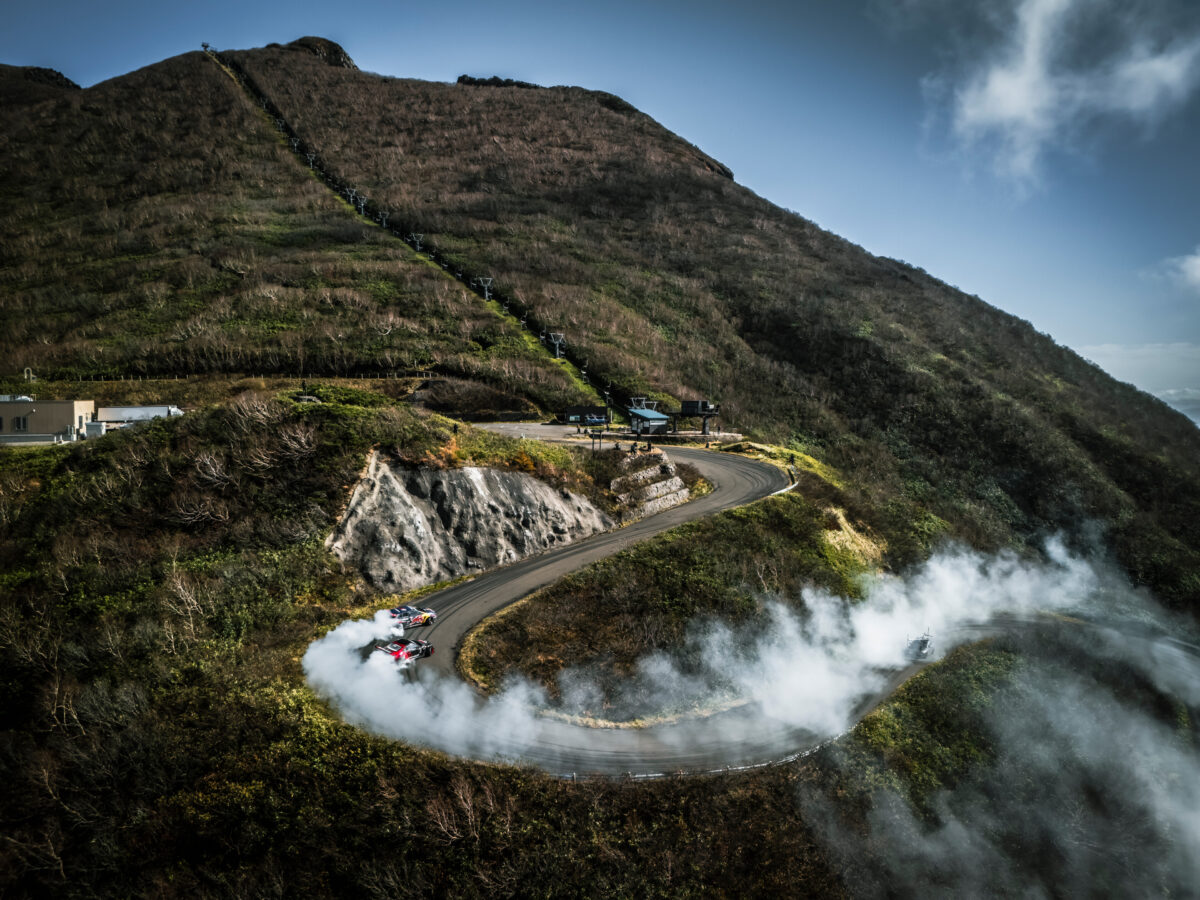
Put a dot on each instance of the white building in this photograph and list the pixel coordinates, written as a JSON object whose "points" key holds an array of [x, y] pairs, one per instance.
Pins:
{"points": [[24, 420]]}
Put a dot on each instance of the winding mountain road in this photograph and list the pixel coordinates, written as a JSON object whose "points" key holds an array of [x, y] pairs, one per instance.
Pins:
{"points": [[436, 708], [439, 710], [734, 738], [736, 481]]}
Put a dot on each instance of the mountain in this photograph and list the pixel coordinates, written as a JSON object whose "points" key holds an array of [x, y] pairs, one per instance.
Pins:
{"points": [[249, 223], [157, 224], [202, 215]]}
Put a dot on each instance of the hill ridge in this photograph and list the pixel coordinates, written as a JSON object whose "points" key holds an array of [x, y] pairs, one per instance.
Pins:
{"points": [[668, 279]]}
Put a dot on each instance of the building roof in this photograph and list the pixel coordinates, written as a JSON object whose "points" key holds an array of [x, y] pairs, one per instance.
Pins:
{"points": [[135, 413], [650, 415]]}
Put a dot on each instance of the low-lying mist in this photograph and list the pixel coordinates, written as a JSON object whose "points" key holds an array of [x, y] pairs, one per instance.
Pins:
{"points": [[1090, 785], [798, 677], [810, 665]]}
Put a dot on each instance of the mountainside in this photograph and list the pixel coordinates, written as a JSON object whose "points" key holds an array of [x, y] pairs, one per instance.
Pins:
{"points": [[667, 276], [157, 224], [162, 222], [289, 231]]}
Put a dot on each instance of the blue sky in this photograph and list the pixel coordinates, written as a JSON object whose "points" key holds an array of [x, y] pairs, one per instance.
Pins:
{"points": [[1039, 153]]}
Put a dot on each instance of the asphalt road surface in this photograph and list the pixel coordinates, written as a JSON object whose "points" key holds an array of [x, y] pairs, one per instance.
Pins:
{"points": [[740, 737]]}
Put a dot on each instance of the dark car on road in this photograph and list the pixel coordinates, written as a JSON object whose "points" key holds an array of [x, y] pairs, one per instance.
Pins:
{"points": [[405, 649], [919, 648]]}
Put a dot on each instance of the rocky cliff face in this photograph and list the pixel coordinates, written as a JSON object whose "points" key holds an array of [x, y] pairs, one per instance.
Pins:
{"points": [[406, 528]]}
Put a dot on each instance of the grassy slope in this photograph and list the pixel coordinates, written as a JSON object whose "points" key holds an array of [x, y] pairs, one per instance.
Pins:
{"points": [[157, 224], [158, 738], [669, 277], [159, 587]]}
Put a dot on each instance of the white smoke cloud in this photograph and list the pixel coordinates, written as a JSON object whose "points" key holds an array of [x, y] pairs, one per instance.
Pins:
{"points": [[809, 670], [1092, 788], [1061, 67], [797, 680], [404, 702], [1091, 791]]}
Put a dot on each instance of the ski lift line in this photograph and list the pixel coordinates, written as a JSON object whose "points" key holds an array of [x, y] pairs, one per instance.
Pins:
{"points": [[302, 150]]}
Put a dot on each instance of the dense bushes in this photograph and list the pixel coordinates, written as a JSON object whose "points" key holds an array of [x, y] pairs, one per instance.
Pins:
{"points": [[668, 279], [159, 587]]}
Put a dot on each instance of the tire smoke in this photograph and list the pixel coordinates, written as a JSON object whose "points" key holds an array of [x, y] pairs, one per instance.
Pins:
{"points": [[799, 679], [1087, 783]]}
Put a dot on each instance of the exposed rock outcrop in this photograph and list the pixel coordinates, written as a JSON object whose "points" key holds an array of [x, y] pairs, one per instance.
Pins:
{"points": [[651, 486], [326, 50], [405, 528]]}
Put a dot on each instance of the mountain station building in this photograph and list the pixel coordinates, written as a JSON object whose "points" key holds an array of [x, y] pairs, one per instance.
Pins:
{"points": [[644, 421], [24, 420]]}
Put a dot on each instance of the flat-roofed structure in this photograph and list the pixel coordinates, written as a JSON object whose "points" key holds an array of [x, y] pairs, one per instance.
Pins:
{"points": [[116, 416], [584, 415], [648, 421], [24, 420]]}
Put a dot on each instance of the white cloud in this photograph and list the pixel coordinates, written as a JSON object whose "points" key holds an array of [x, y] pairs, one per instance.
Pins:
{"points": [[1185, 270], [1038, 90], [1186, 400]]}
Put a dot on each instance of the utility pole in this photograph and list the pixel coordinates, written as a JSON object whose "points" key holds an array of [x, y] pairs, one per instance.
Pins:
{"points": [[486, 285], [415, 239], [559, 340]]}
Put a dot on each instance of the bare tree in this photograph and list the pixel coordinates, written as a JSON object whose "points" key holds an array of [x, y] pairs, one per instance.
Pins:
{"points": [[297, 440]]}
